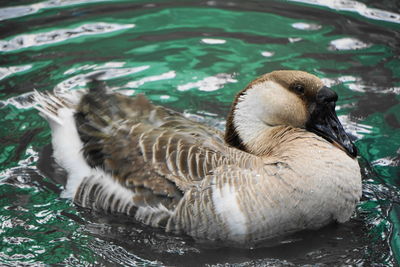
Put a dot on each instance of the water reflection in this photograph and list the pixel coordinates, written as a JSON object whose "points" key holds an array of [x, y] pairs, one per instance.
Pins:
{"points": [[194, 58], [20, 11], [209, 84], [357, 7], [7, 71], [80, 80], [84, 67], [164, 76], [356, 129], [387, 161], [267, 53], [213, 41], [347, 44], [60, 35], [357, 84], [306, 26], [118, 255]]}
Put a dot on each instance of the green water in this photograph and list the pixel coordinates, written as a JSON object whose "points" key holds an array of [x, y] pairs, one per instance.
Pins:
{"points": [[194, 56]]}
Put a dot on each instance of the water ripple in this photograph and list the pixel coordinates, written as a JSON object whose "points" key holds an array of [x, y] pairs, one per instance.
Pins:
{"points": [[23, 101], [17, 240], [357, 84], [80, 80], [356, 129], [119, 255], [57, 36], [112, 64], [178, 53], [213, 41], [164, 76], [306, 26], [267, 53], [387, 161], [357, 7], [24, 10], [7, 71], [347, 44], [209, 84]]}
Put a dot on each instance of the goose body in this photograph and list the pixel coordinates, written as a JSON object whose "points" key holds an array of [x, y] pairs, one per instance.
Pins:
{"points": [[275, 171]]}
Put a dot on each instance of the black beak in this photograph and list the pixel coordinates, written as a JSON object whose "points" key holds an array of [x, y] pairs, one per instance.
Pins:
{"points": [[324, 122]]}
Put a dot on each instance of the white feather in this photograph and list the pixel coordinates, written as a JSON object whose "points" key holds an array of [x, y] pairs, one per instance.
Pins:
{"points": [[68, 151], [250, 112], [226, 205], [66, 143]]}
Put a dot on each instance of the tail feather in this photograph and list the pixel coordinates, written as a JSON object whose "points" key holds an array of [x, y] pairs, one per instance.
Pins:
{"points": [[59, 112], [48, 105], [83, 120]]}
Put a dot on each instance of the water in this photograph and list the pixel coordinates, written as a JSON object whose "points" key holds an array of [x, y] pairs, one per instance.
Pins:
{"points": [[193, 56]]}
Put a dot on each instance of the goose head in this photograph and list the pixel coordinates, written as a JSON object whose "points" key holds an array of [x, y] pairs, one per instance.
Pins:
{"points": [[285, 98]]}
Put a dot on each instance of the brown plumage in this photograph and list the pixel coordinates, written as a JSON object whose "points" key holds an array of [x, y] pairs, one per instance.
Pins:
{"points": [[129, 156]]}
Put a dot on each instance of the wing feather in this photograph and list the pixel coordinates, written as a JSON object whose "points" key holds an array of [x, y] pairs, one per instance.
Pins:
{"points": [[144, 157]]}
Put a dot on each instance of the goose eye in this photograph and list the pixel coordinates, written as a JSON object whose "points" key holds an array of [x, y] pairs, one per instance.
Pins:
{"points": [[298, 88]]}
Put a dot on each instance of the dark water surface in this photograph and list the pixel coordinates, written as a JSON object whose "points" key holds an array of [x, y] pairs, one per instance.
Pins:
{"points": [[193, 56]]}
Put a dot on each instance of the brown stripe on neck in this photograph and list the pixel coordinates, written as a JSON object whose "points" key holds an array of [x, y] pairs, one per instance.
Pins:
{"points": [[232, 137]]}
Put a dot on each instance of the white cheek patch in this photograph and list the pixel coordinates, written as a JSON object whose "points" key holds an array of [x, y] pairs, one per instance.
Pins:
{"points": [[246, 116], [251, 112], [264, 105]]}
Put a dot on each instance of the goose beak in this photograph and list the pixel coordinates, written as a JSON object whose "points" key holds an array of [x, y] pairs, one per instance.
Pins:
{"points": [[324, 122]]}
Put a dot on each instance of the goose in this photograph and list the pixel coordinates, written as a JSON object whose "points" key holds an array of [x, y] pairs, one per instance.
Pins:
{"points": [[284, 163]]}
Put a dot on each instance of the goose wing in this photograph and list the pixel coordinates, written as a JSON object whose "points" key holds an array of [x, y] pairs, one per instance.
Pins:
{"points": [[122, 135], [153, 155]]}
